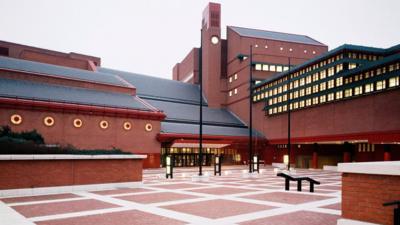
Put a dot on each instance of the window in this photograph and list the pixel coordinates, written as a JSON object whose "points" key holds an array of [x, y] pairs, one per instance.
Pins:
{"points": [[308, 79], [352, 66], [315, 88], [285, 68], [296, 94], [315, 101], [369, 88], [358, 90], [331, 84], [339, 95], [322, 74], [308, 91], [279, 68], [301, 93], [279, 99], [296, 105], [308, 102], [331, 71], [235, 76], [394, 81], [322, 86], [285, 87], [265, 67], [301, 105], [230, 79], [339, 68], [380, 85], [302, 81], [296, 83], [339, 81], [272, 68], [315, 77], [330, 97], [254, 98], [230, 93], [235, 91], [322, 98], [348, 93], [258, 66]]}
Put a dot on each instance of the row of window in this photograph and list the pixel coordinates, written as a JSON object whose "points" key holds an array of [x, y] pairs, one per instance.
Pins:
{"points": [[290, 49], [235, 91], [367, 88], [362, 56], [233, 78], [49, 121], [270, 67]]}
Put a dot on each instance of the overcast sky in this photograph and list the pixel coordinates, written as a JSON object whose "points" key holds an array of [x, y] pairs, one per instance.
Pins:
{"points": [[150, 36]]}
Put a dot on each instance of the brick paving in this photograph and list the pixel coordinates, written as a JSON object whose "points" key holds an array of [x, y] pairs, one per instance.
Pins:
{"points": [[233, 198]]}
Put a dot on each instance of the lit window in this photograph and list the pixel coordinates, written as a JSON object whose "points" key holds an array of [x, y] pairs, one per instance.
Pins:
{"points": [[281, 48], [235, 91], [272, 68], [339, 81], [331, 71], [301, 93], [305, 51], [302, 81], [230, 93], [275, 91], [284, 97], [315, 101], [331, 84], [235, 76], [380, 85], [315, 88], [265, 67], [279, 89], [315, 76], [369, 88], [301, 104], [266, 46], [290, 50], [279, 109], [230, 79], [352, 66], [339, 68], [394, 81], [322, 74], [348, 93], [254, 98], [278, 68], [308, 102], [339, 95], [322, 86], [296, 105], [358, 90], [330, 97], [308, 91], [285, 68], [270, 111], [270, 102], [284, 108], [296, 83], [279, 99], [258, 66], [296, 94], [322, 98], [308, 79], [285, 87], [313, 52]]}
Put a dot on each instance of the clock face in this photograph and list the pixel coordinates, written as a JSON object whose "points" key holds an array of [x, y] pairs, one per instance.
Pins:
{"points": [[214, 40]]}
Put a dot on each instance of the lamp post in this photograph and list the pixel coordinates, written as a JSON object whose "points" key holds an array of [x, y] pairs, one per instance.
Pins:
{"points": [[201, 105], [288, 108], [251, 110]]}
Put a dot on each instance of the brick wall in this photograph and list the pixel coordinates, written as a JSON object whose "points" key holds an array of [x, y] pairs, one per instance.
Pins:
{"points": [[364, 194], [47, 173]]}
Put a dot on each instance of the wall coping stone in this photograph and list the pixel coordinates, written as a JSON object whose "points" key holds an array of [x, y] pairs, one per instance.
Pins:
{"points": [[377, 168], [74, 157]]}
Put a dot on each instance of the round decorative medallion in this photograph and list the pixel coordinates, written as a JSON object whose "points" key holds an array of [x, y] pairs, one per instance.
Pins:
{"points": [[16, 119], [148, 127], [48, 121], [127, 125], [103, 124], [78, 123]]}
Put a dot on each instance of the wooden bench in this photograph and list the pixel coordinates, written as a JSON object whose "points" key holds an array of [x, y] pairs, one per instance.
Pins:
{"points": [[299, 180]]}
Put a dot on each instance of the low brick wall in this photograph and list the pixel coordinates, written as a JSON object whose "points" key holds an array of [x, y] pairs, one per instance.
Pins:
{"points": [[34, 173], [365, 187]]}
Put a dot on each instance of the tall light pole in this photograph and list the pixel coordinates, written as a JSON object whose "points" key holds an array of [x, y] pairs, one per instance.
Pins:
{"points": [[288, 108], [251, 110], [201, 105]]}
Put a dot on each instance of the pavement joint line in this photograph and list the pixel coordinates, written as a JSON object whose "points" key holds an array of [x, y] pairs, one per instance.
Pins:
{"points": [[46, 201], [326, 211], [135, 193]]}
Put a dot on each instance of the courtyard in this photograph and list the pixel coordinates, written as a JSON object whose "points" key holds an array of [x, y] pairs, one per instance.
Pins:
{"points": [[232, 198]]}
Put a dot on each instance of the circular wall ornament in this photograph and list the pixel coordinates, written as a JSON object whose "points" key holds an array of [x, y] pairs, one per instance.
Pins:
{"points": [[16, 119], [78, 123], [103, 124], [214, 40], [148, 127], [127, 125], [48, 121]]}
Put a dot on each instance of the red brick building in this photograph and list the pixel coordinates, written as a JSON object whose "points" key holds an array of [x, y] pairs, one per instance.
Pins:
{"points": [[72, 100]]}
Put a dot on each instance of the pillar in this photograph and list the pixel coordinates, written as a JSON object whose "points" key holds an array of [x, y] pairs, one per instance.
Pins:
{"points": [[315, 160], [348, 148], [346, 157]]}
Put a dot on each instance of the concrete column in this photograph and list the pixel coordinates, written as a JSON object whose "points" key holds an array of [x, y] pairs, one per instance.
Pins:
{"points": [[346, 156], [386, 153], [315, 160]]}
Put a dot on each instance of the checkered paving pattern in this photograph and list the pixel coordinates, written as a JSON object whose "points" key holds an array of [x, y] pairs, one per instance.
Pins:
{"points": [[232, 198]]}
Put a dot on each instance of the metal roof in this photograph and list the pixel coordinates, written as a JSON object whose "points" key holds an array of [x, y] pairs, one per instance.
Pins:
{"points": [[265, 34], [61, 71], [57, 93], [182, 128], [158, 88], [190, 113]]}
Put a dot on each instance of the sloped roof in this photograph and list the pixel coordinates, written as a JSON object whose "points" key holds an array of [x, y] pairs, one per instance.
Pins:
{"points": [[61, 71], [57, 93], [279, 36], [158, 88], [182, 128]]}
